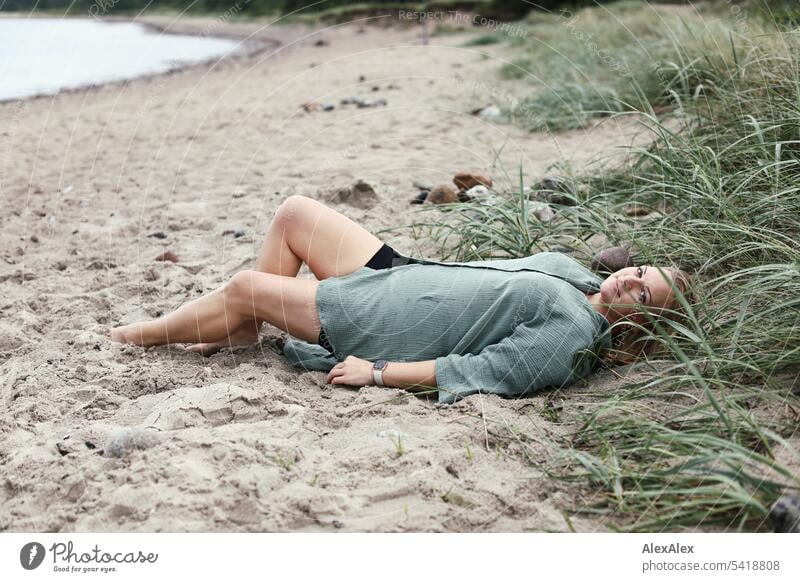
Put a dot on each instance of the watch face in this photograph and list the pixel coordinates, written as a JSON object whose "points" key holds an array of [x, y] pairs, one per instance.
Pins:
{"points": [[379, 364]]}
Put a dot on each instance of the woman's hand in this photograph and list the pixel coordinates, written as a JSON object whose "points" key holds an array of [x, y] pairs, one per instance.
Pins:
{"points": [[352, 371]]}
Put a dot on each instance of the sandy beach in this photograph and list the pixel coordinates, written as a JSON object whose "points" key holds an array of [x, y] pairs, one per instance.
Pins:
{"points": [[245, 442]]}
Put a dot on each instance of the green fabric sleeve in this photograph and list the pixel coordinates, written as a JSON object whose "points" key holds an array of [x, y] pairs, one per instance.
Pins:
{"points": [[535, 356], [308, 356]]}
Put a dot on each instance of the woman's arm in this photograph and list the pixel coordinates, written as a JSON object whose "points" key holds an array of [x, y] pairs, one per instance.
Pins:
{"points": [[415, 376]]}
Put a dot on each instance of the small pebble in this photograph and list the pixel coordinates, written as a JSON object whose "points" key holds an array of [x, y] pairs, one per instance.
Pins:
{"points": [[167, 256], [158, 234]]}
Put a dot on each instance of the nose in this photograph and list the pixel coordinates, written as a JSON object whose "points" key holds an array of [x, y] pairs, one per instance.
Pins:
{"points": [[628, 282]]}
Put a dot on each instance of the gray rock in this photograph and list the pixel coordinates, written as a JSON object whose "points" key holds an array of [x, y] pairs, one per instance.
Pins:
{"points": [[612, 259], [785, 514], [128, 440], [556, 191]]}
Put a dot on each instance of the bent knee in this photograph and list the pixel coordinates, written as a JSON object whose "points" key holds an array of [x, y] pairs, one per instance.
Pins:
{"points": [[295, 207], [241, 286]]}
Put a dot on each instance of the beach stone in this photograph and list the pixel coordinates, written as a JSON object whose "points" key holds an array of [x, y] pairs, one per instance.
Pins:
{"points": [[420, 198], [492, 114], [476, 193], [466, 180], [611, 260], [442, 194], [785, 514], [422, 185], [128, 440], [167, 256], [556, 190], [636, 210], [361, 104], [542, 211]]}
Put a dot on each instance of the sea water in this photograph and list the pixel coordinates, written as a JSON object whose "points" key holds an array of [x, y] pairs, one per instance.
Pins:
{"points": [[42, 55]]}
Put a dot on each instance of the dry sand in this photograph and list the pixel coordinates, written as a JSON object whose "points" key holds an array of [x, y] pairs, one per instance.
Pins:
{"points": [[245, 441]]}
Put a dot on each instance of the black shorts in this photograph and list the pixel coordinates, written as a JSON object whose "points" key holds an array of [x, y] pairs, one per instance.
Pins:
{"points": [[385, 258]]}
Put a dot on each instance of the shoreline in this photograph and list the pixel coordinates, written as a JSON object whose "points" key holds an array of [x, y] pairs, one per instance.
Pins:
{"points": [[252, 44]]}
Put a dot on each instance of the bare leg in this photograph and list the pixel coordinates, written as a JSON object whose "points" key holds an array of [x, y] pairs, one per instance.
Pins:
{"points": [[303, 231], [286, 302], [306, 231]]}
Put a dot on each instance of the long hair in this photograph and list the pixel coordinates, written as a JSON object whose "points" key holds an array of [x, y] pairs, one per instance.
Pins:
{"points": [[632, 341]]}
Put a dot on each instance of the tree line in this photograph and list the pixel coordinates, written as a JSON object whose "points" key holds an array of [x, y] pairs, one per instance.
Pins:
{"points": [[505, 9]]}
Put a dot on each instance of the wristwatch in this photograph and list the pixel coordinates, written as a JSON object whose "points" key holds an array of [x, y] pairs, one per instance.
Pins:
{"points": [[377, 372]]}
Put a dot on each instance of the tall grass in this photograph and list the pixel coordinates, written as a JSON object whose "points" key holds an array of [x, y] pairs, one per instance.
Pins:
{"points": [[724, 190], [595, 62]]}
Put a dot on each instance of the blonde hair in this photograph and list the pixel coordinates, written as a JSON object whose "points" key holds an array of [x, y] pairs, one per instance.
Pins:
{"points": [[631, 341]]}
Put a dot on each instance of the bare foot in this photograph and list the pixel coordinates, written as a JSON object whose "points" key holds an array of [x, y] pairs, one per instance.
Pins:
{"points": [[121, 334], [243, 336]]}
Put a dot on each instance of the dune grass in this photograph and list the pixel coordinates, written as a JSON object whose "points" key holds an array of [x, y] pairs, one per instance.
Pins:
{"points": [[707, 438], [594, 62]]}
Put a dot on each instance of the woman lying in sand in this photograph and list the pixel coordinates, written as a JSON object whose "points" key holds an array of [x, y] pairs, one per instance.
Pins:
{"points": [[507, 327]]}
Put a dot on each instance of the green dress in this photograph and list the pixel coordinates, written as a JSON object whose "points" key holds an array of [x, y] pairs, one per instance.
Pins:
{"points": [[508, 327]]}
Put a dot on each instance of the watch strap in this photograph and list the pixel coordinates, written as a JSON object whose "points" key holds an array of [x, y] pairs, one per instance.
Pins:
{"points": [[377, 372]]}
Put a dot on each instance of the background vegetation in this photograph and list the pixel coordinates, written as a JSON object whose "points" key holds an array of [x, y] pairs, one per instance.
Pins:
{"points": [[705, 434], [501, 9]]}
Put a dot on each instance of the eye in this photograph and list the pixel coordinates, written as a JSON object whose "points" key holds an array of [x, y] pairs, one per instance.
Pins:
{"points": [[642, 293]]}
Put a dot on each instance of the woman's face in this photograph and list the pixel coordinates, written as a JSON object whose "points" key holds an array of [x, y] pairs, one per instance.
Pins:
{"points": [[628, 288]]}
